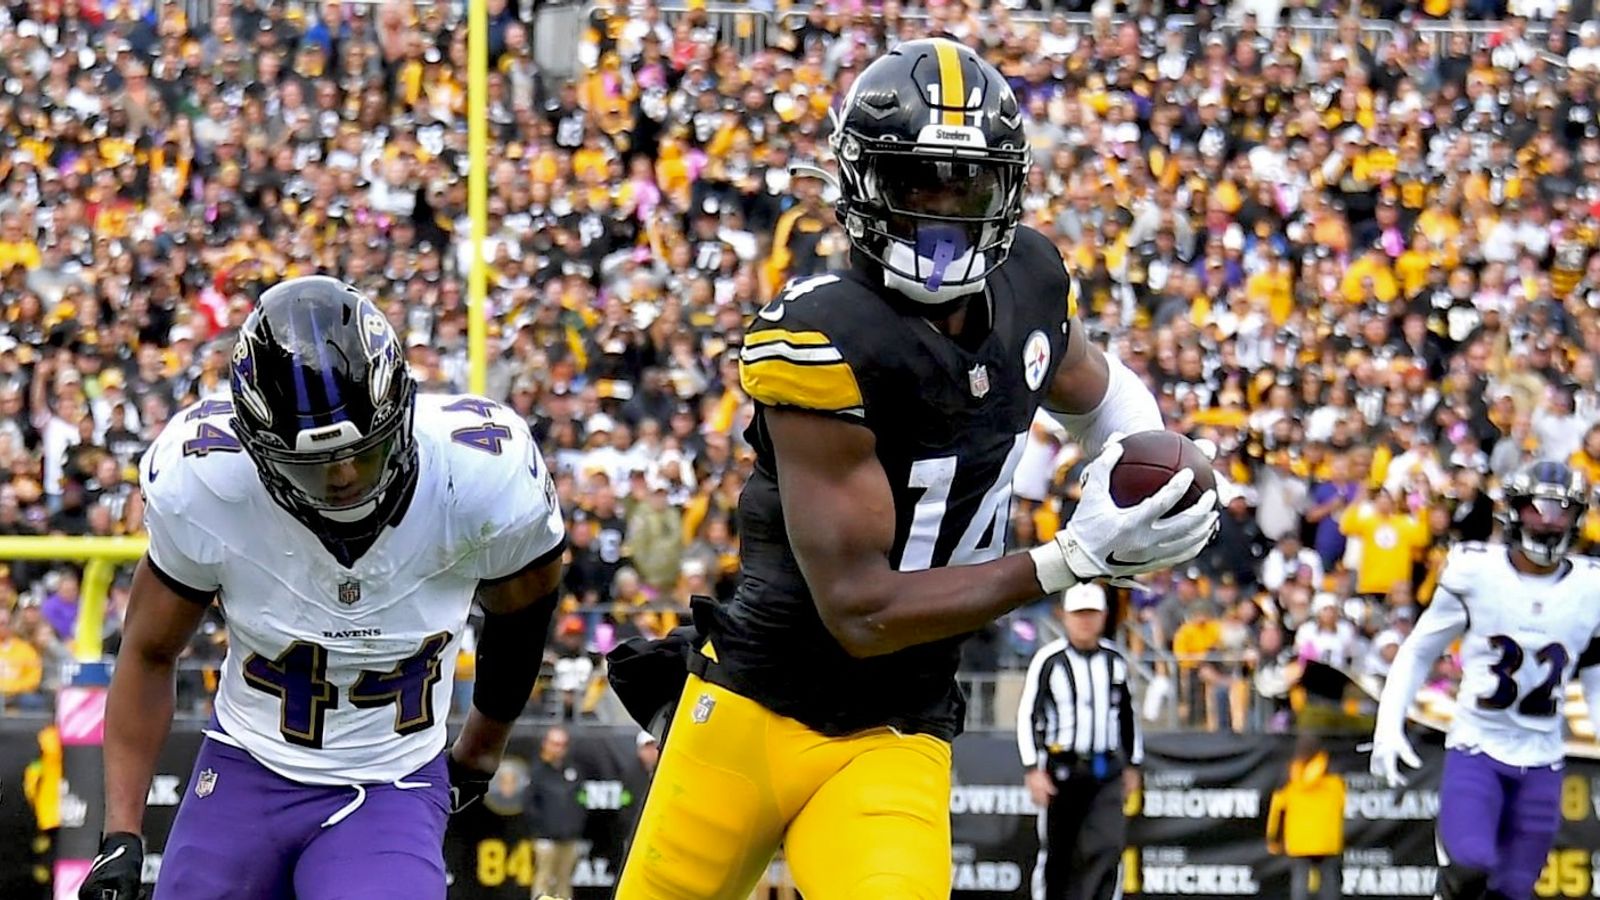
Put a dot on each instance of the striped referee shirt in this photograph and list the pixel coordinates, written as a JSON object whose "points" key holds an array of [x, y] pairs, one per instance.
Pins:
{"points": [[1077, 702]]}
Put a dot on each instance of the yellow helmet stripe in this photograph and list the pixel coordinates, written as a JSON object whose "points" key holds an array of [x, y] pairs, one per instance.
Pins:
{"points": [[952, 84]]}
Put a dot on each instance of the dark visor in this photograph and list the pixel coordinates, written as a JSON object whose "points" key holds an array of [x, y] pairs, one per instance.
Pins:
{"points": [[1547, 515], [955, 189]]}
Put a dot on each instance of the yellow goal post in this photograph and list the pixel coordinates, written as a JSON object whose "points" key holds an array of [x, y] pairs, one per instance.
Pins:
{"points": [[100, 557]]}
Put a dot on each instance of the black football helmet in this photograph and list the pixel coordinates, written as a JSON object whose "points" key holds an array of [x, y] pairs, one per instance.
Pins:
{"points": [[932, 161], [323, 402], [1542, 509]]}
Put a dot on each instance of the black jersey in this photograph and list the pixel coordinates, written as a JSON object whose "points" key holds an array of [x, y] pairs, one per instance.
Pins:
{"points": [[950, 425]]}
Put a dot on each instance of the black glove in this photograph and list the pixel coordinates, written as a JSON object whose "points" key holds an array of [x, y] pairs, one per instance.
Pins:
{"points": [[467, 785], [115, 872]]}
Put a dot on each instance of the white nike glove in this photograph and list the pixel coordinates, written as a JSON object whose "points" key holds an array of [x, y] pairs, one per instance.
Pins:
{"points": [[1388, 752], [1107, 542]]}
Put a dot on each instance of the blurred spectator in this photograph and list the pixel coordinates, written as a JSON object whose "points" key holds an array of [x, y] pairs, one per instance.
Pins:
{"points": [[1328, 638], [1236, 642], [1240, 545], [1289, 561], [21, 668], [1329, 498], [1386, 540], [1277, 669], [60, 605], [556, 815], [636, 776], [655, 536], [1305, 821], [575, 667], [1387, 642], [1193, 644]]}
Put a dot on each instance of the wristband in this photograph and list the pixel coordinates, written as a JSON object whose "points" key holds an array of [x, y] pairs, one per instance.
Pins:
{"points": [[1050, 567]]}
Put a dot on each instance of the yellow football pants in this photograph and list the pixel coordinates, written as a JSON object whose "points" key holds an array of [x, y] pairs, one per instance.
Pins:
{"points": [[863, 816]]}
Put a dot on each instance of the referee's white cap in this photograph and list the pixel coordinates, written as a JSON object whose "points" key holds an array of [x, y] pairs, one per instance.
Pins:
{"points": [[1084, 598]]}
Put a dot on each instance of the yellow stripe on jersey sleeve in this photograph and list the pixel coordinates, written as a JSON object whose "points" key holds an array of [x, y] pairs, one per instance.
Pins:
{"points": [[778, 382], [780, 335]]}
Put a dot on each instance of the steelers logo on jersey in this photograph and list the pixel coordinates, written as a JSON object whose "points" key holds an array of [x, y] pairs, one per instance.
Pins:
{"points": [[1036, 359]]}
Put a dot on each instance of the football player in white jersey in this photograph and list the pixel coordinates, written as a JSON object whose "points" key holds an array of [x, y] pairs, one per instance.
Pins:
{"points": [[345, 524], [1527, 616]]}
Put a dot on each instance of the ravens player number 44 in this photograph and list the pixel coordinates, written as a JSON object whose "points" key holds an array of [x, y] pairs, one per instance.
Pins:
{"points": [[893, 400], [345, 524]]}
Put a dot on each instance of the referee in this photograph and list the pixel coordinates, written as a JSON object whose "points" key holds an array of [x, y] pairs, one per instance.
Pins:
{"points": [[1080, 744]]}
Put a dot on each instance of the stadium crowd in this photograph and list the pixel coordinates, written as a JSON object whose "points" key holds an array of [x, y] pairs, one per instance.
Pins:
{"points": [[1366, 268]]}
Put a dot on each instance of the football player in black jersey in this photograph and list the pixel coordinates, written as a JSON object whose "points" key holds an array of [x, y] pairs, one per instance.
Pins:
{"points": [[893, 402]]}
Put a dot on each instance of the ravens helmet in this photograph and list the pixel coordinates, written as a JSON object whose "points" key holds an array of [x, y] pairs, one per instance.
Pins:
{"points": [[932, 160], [1543, 507], [323, 403]]}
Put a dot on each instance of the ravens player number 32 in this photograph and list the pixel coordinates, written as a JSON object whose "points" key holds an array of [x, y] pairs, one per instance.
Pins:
{"points": [[1528, 620], [893, 399]]}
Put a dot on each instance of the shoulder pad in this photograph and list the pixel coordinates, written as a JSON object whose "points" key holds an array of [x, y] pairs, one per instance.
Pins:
{"points": [[501, 496], [197, 456], [790, 355], [1464, 565], [486, 448], [1039, 254]]}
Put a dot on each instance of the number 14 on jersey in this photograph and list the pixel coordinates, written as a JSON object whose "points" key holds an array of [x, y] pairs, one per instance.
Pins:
{"points": [[983, 535]]}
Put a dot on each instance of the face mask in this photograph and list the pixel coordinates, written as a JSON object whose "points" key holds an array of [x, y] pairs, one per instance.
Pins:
{"points": [[353, 514], [932, 265]]}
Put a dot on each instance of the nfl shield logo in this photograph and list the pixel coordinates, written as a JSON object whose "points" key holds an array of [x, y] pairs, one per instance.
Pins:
{"points": [[978, 380], [702, 709], [349, 592], [206, 783]]}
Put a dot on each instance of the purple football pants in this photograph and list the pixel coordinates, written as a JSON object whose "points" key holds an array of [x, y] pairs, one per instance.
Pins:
{"points": [[1500, 819], [246, 833]]}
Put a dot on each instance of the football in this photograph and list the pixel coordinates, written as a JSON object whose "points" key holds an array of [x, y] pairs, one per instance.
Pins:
{"points": [[1150, 459]]}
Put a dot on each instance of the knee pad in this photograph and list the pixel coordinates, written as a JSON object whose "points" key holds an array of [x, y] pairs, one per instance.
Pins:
{"points": [[1458, 882]]}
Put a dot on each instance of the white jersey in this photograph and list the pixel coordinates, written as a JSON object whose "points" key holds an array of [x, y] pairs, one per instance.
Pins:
{"points": [[340, 675], [1521, 638]]}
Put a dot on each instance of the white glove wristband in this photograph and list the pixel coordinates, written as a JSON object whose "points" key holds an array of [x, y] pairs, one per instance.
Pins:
{"points": [[1050, 567]]}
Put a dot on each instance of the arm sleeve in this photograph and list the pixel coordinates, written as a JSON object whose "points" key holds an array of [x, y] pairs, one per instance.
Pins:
{"points": [[1035, 709], [506, 669], [1442, 622], [1128, 407]]}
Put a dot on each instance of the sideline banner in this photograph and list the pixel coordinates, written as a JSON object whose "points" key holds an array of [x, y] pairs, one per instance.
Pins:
{"points": [[1197, 827]]}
